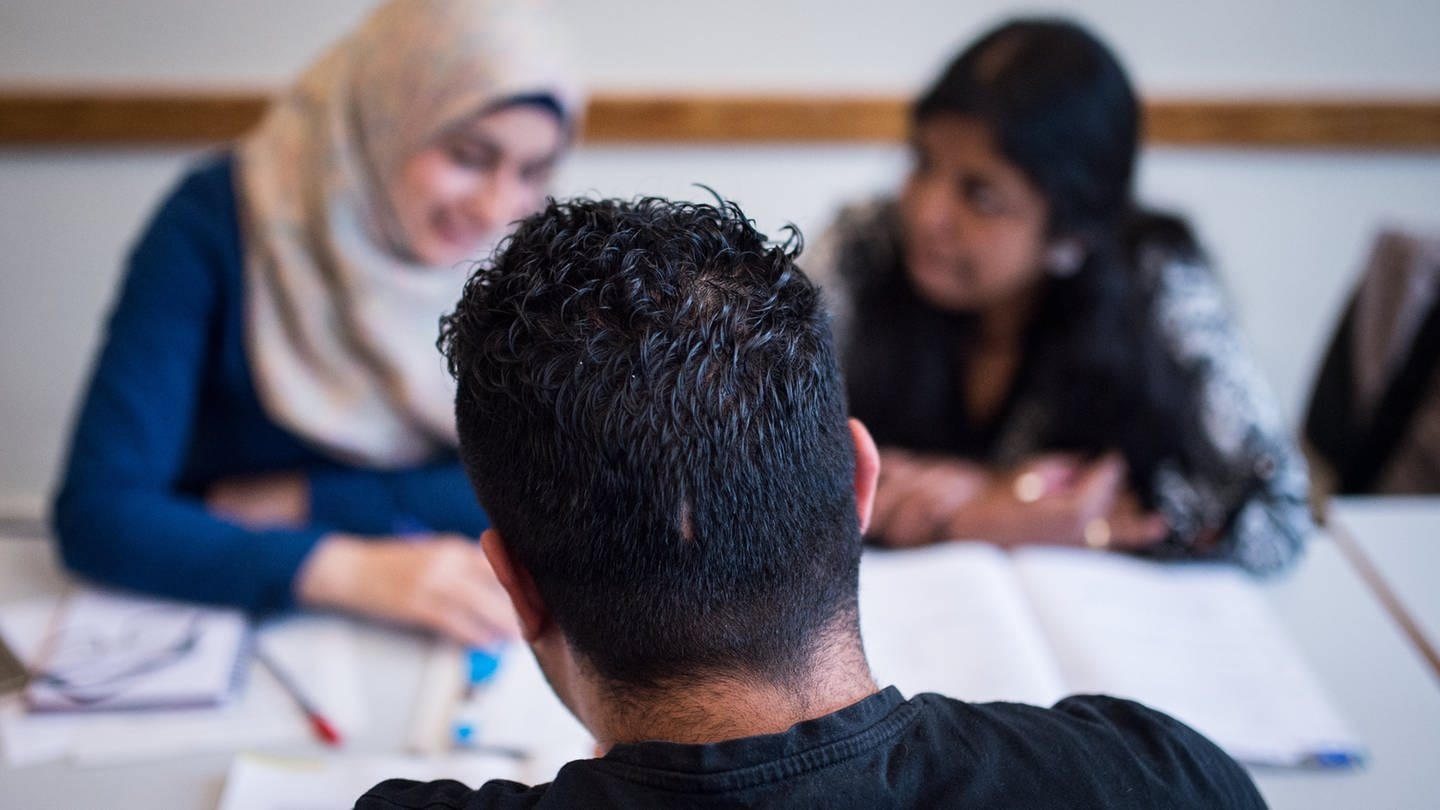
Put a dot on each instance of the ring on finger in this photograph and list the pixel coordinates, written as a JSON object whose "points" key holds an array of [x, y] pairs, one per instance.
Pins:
{"points": [[1097, 534], [1029, 487]]}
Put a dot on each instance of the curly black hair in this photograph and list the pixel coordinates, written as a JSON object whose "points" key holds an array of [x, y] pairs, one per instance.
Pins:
{"points": [[650, 410]]}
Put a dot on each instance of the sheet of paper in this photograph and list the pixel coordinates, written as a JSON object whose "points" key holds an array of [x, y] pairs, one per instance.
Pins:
{"points": [[1196, 641], [319, 651], [24, 625], [951, 619], [335, 783], [436, 699], [114, 651]]}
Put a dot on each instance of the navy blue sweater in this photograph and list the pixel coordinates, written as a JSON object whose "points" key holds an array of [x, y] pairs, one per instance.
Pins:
{"points": [[171, 408]]}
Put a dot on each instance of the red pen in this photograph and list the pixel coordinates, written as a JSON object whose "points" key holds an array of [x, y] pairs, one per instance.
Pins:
{"points": [[323, 728]]}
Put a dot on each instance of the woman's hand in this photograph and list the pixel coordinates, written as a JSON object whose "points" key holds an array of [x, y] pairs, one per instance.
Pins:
{"points": [[262, 501], [1056, 499], [440, 582], [1131, 527], [1062, 500], [918, 495]]}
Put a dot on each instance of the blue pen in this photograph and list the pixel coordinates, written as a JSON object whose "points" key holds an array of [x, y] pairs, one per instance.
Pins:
{"points": [[1333, 758], [480, 667]]}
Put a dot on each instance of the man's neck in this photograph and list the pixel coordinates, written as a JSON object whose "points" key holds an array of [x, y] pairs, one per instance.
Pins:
{"points": [[728, 708]]}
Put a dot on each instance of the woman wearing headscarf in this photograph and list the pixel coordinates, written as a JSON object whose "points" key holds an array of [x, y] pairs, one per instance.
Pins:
{"points": [[268, 422], [1041, 359]]}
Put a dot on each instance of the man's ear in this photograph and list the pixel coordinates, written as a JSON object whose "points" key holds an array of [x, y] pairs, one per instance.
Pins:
{"points": [[867, 472], [529, 607]]}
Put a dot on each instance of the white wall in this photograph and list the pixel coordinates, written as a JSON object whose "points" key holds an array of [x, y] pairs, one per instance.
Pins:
{"points": [[1287, 228], [1225, 45]]}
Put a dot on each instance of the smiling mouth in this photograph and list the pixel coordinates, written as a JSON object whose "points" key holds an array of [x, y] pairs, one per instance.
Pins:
{"points": [[455, 234]]}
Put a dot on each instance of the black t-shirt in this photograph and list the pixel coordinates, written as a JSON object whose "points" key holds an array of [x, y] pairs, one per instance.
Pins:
{"points": [[885, 751]]}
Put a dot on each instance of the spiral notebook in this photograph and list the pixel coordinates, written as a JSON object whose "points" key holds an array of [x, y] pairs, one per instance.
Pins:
{"points": [[117, 651]]}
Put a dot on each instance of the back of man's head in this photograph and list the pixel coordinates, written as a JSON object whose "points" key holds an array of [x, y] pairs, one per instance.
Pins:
{"points": [[650, 410]]}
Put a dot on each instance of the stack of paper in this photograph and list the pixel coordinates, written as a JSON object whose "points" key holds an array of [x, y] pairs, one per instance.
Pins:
{"points": [[109, 651], [319, 650]]}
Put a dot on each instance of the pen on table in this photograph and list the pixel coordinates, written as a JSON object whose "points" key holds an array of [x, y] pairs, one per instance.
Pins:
{"points": [[493, 750], [480, 667], [322, 727], [1333, 758]]}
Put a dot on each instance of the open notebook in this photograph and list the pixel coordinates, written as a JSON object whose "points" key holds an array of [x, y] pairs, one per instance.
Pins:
{"points": [[258, 782], [115, 651], [1196, 641]]}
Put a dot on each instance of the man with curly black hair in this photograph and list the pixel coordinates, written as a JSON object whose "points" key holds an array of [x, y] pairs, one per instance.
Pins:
{"points": [[651, 413]]}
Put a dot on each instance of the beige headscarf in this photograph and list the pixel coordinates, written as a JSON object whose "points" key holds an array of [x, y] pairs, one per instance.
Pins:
{"points": [[341, 325]]}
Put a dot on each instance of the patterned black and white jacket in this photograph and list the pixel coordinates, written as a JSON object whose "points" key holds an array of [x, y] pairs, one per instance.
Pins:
{"points": [[1252, 482]]}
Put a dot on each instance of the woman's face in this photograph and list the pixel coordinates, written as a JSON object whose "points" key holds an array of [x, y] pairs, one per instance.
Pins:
{"points": [[457, 197], [974, 224]]}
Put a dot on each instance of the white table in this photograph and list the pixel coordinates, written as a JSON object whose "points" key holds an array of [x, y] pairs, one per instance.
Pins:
{"points": [[1377, 679], [392, 664], [1399, 537]]}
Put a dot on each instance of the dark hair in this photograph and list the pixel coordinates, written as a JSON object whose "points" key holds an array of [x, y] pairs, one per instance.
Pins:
{"points": [[651, 412], [542, 101], [1059, 107]]}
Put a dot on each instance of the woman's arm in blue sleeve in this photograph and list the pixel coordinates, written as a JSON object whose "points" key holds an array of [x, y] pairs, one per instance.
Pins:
{"points": [[435, 497], [118, 515]]}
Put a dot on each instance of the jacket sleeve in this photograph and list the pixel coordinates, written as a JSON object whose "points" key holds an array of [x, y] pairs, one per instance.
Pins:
{"points": [[119, 516], [1247, 480], [435, 497]]}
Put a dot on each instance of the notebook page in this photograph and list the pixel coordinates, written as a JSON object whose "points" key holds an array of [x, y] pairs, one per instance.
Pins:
{"points": [[320, 649], [951, 619], [1196, 641], [118, 651], [336, 782], [25, 625]]}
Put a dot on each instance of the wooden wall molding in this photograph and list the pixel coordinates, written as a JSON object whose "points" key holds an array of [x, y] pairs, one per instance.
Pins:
{"points": [[79, 117]]}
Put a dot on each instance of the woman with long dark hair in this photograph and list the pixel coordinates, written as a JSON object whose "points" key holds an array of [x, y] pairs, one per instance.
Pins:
{"points": [[1042, 360]]}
